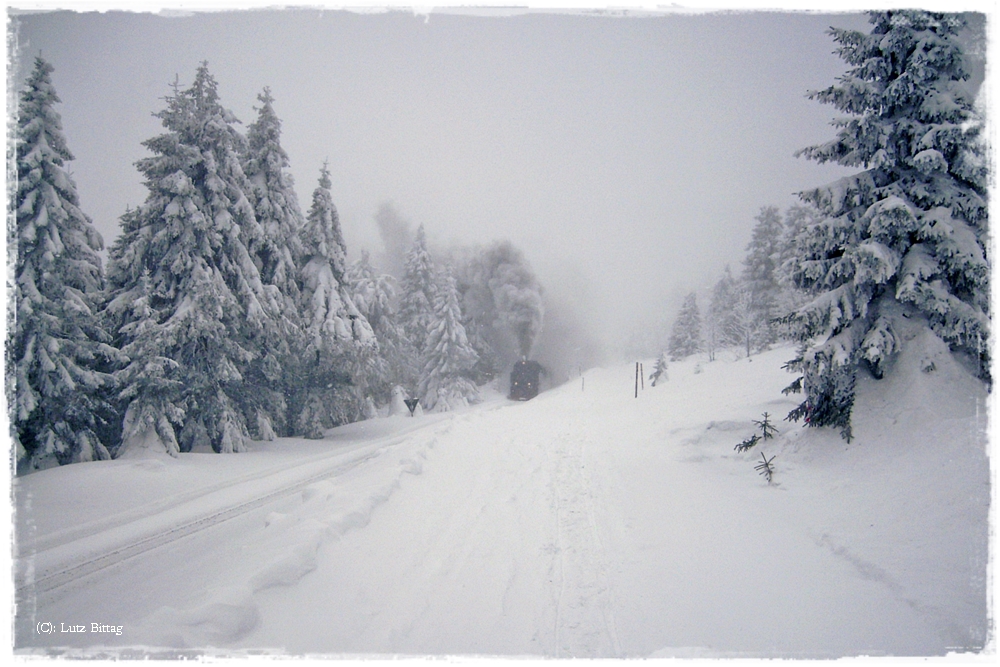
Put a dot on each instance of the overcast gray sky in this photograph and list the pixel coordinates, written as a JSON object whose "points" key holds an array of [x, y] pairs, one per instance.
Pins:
{"points": [[626, 156]]}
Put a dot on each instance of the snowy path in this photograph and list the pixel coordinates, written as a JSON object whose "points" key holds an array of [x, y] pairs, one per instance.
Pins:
{"points": [[579, 524]]}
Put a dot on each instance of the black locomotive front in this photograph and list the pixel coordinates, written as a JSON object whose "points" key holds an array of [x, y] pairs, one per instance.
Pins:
{"points": [[524, 380]]}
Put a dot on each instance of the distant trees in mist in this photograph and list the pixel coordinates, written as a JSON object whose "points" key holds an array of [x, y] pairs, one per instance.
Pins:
{"points": [[742, 312]]}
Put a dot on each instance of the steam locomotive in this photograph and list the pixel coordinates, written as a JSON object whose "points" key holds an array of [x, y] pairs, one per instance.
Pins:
{"points": [[524, 380]]}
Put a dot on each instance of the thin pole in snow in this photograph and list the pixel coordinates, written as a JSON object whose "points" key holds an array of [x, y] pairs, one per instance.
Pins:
{"points": [[637, 379]]}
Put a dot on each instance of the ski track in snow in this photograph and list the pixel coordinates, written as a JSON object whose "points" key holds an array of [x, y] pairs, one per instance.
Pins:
{"points": [[585, 624]]}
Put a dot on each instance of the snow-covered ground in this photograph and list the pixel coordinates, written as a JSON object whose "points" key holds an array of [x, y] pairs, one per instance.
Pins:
{"points": [[585, 523]]}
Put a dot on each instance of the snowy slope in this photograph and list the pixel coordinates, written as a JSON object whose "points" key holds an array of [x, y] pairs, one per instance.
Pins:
{"points": [[586, 523]]}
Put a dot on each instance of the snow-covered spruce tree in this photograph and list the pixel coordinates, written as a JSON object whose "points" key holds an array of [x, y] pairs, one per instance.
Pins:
{"points": [[276, 251], [798, 217], [416, 307], [790, 298], [906, 237], [328, 315], [58, 352], [659, 373], [685, 336], [747, 326], [373, 294], [759, 267], [724, 296], [186, 298], [719, 314], [448, 358], [340, 344], [272, 192]]}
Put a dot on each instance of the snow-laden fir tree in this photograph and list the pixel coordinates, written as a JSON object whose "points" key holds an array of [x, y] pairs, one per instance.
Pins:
{"points": [[746, 324], [417, 292], [685, 336], [448, 358], [719, 314], [187, 300], [374, 294], [759, 267], [331, 318], [340, 343], [58, 352], [790, 298], [276, 252], [155, 382], [906, 237], [798, 217], [659, 373]]}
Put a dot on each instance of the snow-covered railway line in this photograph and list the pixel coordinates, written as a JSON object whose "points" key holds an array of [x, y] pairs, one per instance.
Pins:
{"points": [[57, 577], [53, 562], [42, 543]]}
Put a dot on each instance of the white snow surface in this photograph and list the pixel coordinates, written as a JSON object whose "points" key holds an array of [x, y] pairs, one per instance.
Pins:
{"points": [[584, 523]]}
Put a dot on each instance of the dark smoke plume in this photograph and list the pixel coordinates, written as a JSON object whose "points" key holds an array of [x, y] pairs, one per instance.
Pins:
{"points": [[501, 303]]}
